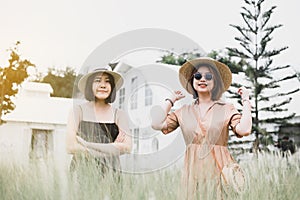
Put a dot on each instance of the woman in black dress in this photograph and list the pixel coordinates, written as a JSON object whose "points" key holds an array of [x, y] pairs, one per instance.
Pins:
{"points": [[97, 133]]}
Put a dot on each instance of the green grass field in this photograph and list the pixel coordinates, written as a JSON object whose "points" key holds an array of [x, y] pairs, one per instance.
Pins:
{"points": [[268, 176]]}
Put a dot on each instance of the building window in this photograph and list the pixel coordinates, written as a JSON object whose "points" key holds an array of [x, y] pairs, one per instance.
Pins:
{"points": [[41, 144], [134, 94], [155, 144], [121, 98], [148, 95], [136, 143]]}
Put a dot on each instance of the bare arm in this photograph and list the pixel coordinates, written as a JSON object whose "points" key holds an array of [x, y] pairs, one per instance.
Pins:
{"points": [[99, 149], [159, 113], [121, 145], [124, 139], [244, 127], [72, 145]]}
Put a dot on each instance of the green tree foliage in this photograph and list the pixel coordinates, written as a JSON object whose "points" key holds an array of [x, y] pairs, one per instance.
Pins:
{"points": [[259, 68], [11, 77], [172, 59], [61, 80]]}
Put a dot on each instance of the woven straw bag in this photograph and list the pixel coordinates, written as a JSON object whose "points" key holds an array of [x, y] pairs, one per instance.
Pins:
{"points": [[233, 178]]}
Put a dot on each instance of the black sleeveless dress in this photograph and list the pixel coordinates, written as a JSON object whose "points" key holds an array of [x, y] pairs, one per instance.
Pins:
{"points": [[98, 133]]}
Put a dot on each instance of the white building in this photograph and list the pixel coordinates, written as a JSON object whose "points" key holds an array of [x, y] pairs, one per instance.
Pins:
{"points": [[36, 128], [147, 86]]}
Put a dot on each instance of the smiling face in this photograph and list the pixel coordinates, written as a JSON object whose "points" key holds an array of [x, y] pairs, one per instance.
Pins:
{"points": [[203, 81], [101, 86], [209, 82]]}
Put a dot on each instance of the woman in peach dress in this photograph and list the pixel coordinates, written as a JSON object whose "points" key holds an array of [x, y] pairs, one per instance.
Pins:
{"points": [[205, 125]]}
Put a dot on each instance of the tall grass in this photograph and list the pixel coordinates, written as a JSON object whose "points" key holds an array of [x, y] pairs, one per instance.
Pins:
{"points": [[270, 176]]}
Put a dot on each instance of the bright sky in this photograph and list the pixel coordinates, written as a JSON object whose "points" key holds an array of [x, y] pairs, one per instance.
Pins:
{"points": [[60, 33]]}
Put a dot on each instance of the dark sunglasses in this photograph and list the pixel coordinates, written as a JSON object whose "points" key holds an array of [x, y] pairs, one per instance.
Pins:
{"points": [[208, 76]]}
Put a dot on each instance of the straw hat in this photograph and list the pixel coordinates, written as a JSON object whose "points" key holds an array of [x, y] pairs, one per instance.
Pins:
{"points": [[185, 72], [107, 69]]}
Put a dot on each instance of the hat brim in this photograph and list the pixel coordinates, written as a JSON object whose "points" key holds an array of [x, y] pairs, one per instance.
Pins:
{"points": [[185, 72], [117, 78]]}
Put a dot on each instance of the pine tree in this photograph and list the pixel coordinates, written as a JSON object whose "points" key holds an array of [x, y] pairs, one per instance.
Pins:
{"points": [[255, 36]]}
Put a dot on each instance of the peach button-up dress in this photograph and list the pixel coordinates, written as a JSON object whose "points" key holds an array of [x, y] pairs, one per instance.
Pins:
{"points": [[206, 146]]}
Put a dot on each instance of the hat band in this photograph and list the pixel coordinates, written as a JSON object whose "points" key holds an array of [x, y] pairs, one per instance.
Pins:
{"points": [[101, 69]]}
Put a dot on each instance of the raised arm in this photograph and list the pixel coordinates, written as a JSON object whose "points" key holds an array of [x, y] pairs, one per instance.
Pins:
{"points": [[159, 113], [244, 127]]}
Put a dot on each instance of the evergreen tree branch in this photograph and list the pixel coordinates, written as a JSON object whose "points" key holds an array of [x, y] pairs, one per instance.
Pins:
{"points": [[278, 120], [287, 78], [247, 2], [267, 65], [268, 109], [268, 54], [246, 18], [281, 67], [271, 85], [269, 30], [247, 48], [267, 98], [234, 52], [242, 40], [248, 14], [266, 16], [241, 30], [275, 106]]}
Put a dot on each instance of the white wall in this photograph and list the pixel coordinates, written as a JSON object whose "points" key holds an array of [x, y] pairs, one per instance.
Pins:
{"points": [[163, 80], [15, 142]]}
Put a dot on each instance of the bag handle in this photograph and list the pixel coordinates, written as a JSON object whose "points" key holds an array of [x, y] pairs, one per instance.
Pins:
{"points": [[212, 151], [218, 164]]}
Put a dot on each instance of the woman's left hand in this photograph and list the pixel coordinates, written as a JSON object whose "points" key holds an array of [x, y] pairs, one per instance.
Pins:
{"points": [[244, 93]]}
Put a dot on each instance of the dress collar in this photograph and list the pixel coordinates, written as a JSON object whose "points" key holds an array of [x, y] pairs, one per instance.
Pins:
{"points": [[220, 102]]}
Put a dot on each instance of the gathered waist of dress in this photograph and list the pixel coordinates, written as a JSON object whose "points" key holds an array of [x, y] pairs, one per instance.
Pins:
{"points": [[202, 140], [207, 148], [207, 144]]}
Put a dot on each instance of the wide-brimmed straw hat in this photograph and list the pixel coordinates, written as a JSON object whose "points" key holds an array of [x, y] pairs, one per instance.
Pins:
{"points": [[185, 72], [107, 69]]}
